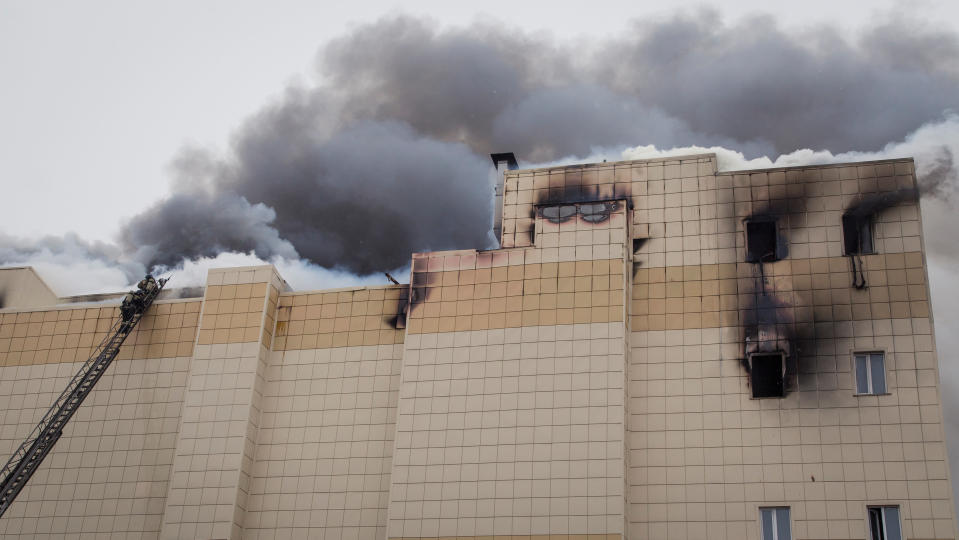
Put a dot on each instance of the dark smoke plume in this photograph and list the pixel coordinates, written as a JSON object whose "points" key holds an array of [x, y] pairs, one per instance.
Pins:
{"points": [[362, 200], [753, 81], [197, 224], [387, 155]]}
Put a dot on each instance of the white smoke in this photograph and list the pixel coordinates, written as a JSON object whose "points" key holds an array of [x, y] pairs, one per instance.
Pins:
{"points": [[75, 276], [300, 274], [71, 273], [69, 264], [925, 144]]}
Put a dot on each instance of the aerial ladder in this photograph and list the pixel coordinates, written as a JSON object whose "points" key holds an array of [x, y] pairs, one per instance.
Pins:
{"points": [[28, 457]]}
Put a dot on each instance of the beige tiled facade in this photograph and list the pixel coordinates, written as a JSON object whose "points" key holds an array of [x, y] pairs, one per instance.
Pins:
{"points": [[587, 381]]}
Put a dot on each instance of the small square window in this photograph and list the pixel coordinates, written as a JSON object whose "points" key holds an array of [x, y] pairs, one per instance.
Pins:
{"points": [[870, 373], [766, 374], [884, 523], [774, 523], [857, 234], [761, 241]]}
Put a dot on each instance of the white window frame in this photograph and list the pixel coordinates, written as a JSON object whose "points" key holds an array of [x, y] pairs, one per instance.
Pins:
{"points": [[882, 512], [774, 524], [870, 387]]}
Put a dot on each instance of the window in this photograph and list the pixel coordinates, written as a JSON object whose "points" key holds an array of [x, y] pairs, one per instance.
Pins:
{"points": [[870, 373], [775, 523], [766, 373], [761, 244], [884, 523], [857, 234]]}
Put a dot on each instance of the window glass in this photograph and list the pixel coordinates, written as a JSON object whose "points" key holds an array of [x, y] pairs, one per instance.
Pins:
{"points": [[884, 523], [774, 523], [891, 517], [862, 374], [870, 373], [767, 520], [878, 373], [782, 524]]}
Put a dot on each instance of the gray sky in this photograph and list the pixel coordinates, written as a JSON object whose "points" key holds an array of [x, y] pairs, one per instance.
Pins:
{"points": [[97, 97]]}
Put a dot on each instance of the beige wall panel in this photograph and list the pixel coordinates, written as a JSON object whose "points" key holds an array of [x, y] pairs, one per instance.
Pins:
{"points": [[211, 471], [71, 334], [704, 455], [325, 444], [583, 383], [345, 318], [812, 290], [22, 288], [511, 431], [108, 473]]}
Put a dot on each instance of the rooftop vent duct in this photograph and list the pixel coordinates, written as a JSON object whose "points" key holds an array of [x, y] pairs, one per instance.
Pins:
{"points": [[503, 161]]}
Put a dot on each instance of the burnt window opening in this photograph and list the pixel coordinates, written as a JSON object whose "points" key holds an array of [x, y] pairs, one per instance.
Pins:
{"points": [[767, 372], [761, 241], [857, 234]]}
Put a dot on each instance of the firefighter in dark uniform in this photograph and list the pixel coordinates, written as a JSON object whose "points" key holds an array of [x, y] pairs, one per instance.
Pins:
{"points": [[133, 301], [147, 285], [129, 306]]}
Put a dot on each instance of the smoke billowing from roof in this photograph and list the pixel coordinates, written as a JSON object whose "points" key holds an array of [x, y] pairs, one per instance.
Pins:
{"points": [[361, 199], [63, 259], [387, 155], [197, 224]]}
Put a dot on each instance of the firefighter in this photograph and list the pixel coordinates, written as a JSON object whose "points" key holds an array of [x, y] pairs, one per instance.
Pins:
{"points": [[129, 306], [147, 285]]}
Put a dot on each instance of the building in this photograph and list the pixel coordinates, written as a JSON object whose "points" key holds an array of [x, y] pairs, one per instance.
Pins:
{"points": [[658, 350]]}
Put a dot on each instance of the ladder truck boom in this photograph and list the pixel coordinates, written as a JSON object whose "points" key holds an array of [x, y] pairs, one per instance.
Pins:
{"points": [[29, 455]]}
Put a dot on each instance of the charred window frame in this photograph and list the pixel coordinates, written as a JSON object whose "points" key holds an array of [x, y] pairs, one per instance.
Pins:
{"points": [[858, 234], [767, 374], [884, 523], [774, 523], [869, 369], [762, 240]]}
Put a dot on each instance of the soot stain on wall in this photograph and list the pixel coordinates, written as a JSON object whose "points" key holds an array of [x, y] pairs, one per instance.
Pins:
{"points": [[771, 324], [576, 191], [421, 283], [873, 204], [768, 318]]}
